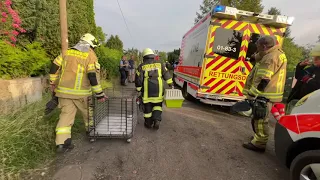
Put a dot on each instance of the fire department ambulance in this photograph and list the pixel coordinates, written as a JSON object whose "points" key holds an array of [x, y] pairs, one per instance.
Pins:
{"points": [[215, 53]]}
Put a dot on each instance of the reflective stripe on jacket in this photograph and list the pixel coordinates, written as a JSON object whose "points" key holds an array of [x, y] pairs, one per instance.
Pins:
{"points": [[72, 77], [271, 66], [149, 80]]}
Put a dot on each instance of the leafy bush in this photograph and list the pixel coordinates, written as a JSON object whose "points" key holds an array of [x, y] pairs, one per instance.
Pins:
{"points": [[109, 60], [293, 52], [16, 62]]}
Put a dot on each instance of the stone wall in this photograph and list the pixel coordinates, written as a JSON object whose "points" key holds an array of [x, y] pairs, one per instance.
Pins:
{"points": [[14, 94]]}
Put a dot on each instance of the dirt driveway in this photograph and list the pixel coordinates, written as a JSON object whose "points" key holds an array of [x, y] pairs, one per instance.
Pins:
{"points": [[195, 142]]}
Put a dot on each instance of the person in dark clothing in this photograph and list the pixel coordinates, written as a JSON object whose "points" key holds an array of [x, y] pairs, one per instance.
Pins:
{"points": [[123, 67], [149, 81], [308, 78], [131, 70]]}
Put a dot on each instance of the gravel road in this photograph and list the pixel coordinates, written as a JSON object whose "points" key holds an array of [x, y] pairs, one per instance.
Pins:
{"points": [[196, 142]]}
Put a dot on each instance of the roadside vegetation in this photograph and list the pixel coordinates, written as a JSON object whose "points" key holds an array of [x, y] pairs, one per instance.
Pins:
{"points": [[28, 138]]}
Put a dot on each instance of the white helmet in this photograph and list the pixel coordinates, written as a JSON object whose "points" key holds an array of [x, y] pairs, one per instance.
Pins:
{"points": [[90, 39], [146, 52]]}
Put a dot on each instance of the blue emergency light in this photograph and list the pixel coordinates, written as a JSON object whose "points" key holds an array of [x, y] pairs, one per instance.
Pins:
{"points": [[219, 8]]}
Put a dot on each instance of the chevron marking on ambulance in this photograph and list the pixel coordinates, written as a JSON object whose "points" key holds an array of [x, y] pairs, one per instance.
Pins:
{"points": [[264, 30], [223, 72]]}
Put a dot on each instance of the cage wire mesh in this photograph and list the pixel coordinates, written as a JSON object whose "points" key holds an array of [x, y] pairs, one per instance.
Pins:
{"points": [[117, 117]]}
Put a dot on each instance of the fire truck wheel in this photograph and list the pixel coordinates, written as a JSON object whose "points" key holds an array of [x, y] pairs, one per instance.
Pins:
{"points": [[307, 165], [185, 93]]}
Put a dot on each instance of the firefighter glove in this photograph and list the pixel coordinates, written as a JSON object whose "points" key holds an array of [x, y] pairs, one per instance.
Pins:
{"points": [[260, 108], [51, 105]]}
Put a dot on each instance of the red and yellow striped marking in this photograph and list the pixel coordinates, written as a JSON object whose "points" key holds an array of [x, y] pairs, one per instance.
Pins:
{"points": [[264, 30], [244, 44], [225, 71], [223, 75], [218, 73], [227, 24]]}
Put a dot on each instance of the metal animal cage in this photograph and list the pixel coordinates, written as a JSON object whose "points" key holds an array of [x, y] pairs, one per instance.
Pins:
{"points": [[117, 117]]}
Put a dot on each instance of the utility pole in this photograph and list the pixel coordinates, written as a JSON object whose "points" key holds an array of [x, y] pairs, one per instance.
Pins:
{"points": [[63, 26]]}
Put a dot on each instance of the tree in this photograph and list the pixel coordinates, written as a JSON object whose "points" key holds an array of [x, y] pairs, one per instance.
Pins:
{"points": [[100, 35], [318, 38], [174, 55], [306, 51], [205, 8], [247, 5], [41, 21], [109, 60], [76, 27], [135, 53], [114, 42], [163, 56], [274, 11], [293, 52]]}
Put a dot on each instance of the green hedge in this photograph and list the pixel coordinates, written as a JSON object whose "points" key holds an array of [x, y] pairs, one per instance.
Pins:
{"points": [[109, 60], [15, 62]]}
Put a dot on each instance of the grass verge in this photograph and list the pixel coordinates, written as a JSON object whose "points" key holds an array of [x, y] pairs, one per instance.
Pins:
{"points": [[106, 84], [27, 138]]}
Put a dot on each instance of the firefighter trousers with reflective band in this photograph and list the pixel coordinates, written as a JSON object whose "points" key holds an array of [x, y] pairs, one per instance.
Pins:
{"points": [[261, 130], [152, 111], [66, 120]]}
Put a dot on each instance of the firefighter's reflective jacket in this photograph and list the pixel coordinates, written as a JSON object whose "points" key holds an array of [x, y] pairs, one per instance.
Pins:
{"points": [[72, 73], [149, 80], [272, 66]]}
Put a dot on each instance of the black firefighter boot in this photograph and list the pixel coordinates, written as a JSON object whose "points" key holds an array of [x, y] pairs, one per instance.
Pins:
{"points": [[148, 123], [61, 148], [252, 147], [156, 124]]}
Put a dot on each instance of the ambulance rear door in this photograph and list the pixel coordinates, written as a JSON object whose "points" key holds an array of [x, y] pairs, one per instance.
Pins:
{"points": [[255, 31], [225, 52]]}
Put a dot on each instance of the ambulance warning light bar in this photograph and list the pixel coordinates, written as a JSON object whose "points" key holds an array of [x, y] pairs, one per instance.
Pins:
{"points": [[220, 11]]}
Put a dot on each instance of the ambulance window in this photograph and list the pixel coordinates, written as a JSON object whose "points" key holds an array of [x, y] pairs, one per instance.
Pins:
{"points": [[227, 42], [252, 48]]}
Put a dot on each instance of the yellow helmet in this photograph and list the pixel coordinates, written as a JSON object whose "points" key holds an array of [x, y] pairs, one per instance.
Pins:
{"points": [[89, 38], [146, 52], [315, 51]]}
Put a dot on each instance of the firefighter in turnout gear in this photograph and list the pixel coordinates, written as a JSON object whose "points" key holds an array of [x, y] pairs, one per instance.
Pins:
{"points": [[73, 78], [149, 81], [264, 87]]}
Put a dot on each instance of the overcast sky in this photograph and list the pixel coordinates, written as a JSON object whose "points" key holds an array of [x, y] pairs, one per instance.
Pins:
{"points": [[161, 24]]}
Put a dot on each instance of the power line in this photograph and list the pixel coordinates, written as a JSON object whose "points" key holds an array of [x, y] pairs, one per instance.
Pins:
{"points": [[124, 19]]}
